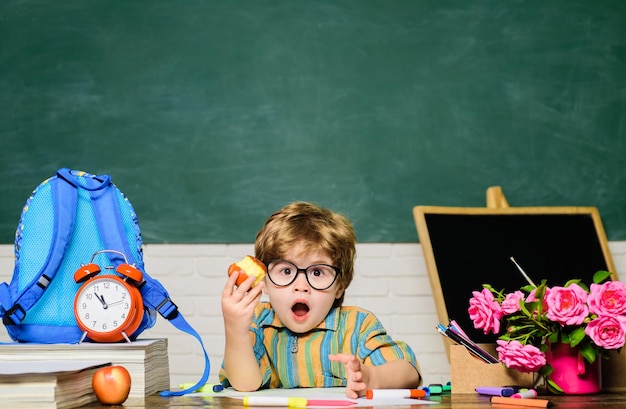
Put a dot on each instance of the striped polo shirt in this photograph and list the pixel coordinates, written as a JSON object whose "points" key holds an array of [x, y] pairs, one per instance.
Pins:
{"points": [[291, 360]]}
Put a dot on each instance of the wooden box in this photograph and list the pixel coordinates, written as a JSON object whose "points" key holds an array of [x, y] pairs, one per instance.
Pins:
{"points": [[467, 372]]}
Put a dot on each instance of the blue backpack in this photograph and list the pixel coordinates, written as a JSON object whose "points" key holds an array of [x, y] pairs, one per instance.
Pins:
{"points": [[69, 220]]}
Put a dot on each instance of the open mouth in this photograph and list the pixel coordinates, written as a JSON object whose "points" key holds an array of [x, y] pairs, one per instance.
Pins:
{"points": [[300, 310]]}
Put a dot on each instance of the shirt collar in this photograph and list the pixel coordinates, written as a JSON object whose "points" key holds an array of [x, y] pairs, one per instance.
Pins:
{"points": [[331, 322]]}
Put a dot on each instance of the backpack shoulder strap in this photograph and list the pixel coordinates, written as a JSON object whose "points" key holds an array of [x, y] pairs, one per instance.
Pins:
{"points": [[64, 196], [154, 295]]}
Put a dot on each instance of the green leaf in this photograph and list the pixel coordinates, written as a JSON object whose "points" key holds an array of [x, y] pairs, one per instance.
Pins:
{"points": [[553, 338], [576, 336], [505, 337], [545, 370], [584, 286], [554, 388], [570, 282], [588, 352], [529, 308], [601, 276], [541, 290]]}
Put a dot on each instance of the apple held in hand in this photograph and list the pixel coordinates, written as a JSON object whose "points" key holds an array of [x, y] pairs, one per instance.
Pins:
{"points": [[247, 267], [111, 385]]}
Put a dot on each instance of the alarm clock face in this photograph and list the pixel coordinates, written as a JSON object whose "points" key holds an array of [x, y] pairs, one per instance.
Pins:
{"points": [[105, 306]]}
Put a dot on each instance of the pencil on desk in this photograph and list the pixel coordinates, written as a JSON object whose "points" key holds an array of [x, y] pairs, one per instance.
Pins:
{"points": [[294, 402], [536, 403]]}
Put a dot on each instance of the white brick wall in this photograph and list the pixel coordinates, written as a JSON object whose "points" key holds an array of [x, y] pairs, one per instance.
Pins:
{"points": [[391, 280]]}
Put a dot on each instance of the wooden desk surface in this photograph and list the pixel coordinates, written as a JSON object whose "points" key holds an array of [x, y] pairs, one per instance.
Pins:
{"points": [[602, 401]]}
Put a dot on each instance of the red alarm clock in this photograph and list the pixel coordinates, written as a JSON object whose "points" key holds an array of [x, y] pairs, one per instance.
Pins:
{"points": [[108, 307]]}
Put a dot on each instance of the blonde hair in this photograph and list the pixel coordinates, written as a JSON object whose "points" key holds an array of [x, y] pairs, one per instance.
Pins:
{"points": [[318, 228]]}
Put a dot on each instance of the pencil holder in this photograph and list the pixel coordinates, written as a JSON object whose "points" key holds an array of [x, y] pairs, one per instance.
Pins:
{"points": [[468, 372]]}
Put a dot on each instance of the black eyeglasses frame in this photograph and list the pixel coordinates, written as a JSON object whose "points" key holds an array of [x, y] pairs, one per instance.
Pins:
{"points": [[302, 270]]}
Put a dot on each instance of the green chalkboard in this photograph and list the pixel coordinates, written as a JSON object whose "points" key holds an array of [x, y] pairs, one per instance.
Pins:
{"points": [[212, 114]]}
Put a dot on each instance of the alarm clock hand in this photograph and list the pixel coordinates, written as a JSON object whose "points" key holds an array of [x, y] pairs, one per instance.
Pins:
{"points": [[101, 299], [116, 302]]}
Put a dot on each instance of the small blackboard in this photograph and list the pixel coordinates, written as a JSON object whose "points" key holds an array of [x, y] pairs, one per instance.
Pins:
{"points": [[466, 247]]}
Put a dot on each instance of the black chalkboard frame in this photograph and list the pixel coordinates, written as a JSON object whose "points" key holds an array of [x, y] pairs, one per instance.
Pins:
{"points": [[444, 300]]}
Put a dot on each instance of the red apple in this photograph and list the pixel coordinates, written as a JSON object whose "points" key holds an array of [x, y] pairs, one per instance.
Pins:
{"points": [[111, 384]]}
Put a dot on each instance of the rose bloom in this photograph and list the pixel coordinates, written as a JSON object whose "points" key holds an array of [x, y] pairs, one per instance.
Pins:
{"points": [[510, 304], [567, 305], [485, 311], [524, 358], [608, 332], [608, 298]]}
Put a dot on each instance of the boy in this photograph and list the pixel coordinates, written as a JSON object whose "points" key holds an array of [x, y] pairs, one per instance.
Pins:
{"points": [[304, 337]]}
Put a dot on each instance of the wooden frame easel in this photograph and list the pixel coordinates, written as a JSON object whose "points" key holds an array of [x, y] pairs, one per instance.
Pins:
{"points": [[497, 205]]}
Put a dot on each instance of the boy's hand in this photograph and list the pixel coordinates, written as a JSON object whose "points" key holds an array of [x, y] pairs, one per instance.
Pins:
{"points": [[358, 375], [238, 303]]}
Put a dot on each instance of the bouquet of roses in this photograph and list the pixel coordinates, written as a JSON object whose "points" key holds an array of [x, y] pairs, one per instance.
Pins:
{"points": [[591, 319]]}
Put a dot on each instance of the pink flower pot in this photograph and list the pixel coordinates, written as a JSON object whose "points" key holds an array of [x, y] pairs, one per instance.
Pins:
{"points": [[572, 372]]}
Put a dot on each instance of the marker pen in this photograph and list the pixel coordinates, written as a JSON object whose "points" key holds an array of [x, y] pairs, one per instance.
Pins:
{"points": [[207, 387], [525, 394], [495, 391], [458, 328], [395, 393], [435, 388], [426, 389], [293, 402]]}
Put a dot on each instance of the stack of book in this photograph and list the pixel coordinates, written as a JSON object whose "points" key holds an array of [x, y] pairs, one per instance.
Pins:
{"points": [[55, 384], [146, 360]]}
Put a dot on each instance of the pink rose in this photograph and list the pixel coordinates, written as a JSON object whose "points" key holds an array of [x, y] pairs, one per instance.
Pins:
{"points": [[485, 311], [567, 305], [524, 358], [510, 304], [608, 298], [608, 332]]}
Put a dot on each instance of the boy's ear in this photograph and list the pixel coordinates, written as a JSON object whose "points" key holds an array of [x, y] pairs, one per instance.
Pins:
{"points": [[339, 292]]}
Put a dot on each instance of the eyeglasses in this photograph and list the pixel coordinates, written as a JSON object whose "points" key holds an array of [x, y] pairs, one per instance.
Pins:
{"points": [[319, 276]]}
